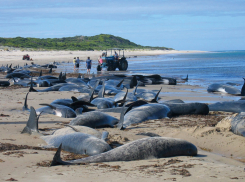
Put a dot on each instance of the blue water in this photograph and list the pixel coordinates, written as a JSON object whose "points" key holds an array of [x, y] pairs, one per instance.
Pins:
{"points": [[203, 68]]}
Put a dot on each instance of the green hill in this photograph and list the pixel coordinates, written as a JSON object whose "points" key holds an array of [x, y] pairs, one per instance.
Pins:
{"points": [[97, 42]]}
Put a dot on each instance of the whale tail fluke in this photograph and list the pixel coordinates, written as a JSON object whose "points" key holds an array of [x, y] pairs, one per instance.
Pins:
{"points": [[32, 123]]}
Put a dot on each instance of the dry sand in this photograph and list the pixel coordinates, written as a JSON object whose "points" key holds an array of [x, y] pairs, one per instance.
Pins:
{"points": [[221, 154]]}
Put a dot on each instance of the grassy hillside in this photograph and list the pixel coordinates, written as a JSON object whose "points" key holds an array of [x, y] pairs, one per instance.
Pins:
{"points": [[97, 42]]}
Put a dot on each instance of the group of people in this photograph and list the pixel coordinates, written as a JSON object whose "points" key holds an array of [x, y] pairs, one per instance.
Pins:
{"points": [[76, 62]]}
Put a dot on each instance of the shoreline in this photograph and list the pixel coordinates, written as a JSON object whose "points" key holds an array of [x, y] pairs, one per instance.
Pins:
{"points": [[44, 57]]}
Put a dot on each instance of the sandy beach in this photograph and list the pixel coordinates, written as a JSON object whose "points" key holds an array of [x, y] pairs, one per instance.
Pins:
{"points": [[221, 155]]}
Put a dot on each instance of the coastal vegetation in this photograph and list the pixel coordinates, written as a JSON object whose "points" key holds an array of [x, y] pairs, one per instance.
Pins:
{"points": [[97, 42]]}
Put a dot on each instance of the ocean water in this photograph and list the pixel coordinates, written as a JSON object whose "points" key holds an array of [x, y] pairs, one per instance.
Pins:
{"points": [[202, 68]]}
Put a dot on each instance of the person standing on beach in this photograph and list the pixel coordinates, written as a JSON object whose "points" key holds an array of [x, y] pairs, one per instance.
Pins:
{"points": [[100, 61], [77, 62], [74, 62], [116, 55], [88, 65]]}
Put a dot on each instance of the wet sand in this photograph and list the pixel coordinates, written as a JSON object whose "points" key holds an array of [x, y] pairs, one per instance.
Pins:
{"points": [[220, 157]]}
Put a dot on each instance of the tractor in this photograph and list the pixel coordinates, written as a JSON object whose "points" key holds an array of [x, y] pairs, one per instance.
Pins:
{"points": [[114, 61]]}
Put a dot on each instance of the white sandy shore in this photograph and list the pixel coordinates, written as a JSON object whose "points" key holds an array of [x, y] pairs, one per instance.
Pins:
{"points": [[44, 57], [220, 152]]}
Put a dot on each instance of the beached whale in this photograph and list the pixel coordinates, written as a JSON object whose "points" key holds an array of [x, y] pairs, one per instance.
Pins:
{"points": [[121, 96], [4, 83], [223, 88], [187, 108], [146, 148], [238, 124], [78, 143], [143, 113], [52, 88], [75, 88], [94, 119], [58, 110], [148, 95], [77, 81], [228, 106], [155, 79]]}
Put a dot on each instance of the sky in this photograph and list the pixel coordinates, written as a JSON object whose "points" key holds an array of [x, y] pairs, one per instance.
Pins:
{"points": [[206, 25]]}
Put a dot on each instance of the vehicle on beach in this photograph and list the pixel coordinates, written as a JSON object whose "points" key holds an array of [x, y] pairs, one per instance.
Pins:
{"points": [[26, 57], [113, 62]]}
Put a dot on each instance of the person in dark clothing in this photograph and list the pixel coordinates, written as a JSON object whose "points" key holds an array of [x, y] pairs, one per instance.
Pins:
{"points": [[88, 65]]}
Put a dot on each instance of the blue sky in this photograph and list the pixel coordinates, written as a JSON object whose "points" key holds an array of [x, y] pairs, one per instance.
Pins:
{"points": [[179, 24]]}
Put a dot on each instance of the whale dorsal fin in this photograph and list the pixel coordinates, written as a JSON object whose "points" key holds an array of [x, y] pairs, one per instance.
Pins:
{"points": [[102, 90], [41, 73], [31, 87], [104, 135], [57, 160], [156, 97], [119, 84], [120, 123], [133, 82], [32, 123], [50, 71], [25, 107], [74, 99]]}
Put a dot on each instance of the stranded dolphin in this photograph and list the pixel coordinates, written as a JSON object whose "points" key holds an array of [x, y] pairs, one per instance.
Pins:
{"points": [[226, 89], [94, 119], [228, 106], [238, 124], [143, 113], [79, 143], [146, 148]]}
